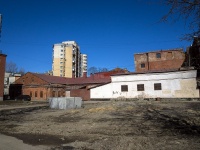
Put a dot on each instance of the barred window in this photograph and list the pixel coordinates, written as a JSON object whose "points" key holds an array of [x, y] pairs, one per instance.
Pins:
{"points": [[140, 87], [157, 86], [124, 88]]}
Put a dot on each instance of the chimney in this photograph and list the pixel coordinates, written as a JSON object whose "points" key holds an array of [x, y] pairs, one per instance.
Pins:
{"points": [[84, 74], [73, 75]]}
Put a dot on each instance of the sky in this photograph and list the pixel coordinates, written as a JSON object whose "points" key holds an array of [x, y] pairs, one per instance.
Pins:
{"points": [[110, 32]]}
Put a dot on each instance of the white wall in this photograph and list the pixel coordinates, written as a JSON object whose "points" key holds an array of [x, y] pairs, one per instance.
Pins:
{"points": [[181, 84], [57, 51]]}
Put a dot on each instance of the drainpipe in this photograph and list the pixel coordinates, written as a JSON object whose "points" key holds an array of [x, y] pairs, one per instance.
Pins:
{"points": [[189, 59], [147, 61]]}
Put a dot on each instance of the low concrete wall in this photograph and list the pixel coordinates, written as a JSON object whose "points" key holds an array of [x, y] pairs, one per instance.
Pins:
{"points": [[65, 102]]}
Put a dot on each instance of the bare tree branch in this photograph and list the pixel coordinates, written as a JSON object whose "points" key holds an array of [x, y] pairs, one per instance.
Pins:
{"points": [[11, 67], [188, 10]]}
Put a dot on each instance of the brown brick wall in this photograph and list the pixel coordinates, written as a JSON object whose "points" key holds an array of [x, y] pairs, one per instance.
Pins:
{"points": [[83, 93], [38, 89], [2, 74], [30, 79], [169, 60], [39, 93], [165, 64]]}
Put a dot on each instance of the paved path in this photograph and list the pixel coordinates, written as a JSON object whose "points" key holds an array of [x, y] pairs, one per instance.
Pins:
{"points": [[22, 106], [11, 143]]}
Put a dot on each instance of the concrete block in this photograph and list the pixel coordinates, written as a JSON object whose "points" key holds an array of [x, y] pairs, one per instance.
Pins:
{"points": [[65, 102]]}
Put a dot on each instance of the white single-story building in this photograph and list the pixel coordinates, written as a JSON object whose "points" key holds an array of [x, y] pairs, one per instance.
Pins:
{"points": [[160, 84]]}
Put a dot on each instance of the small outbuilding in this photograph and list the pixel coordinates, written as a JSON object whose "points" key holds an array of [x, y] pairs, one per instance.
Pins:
{"points": [[151, 84]]}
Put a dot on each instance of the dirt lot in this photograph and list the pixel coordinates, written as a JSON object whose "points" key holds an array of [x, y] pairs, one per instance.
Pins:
{"points": [[116, 125]]}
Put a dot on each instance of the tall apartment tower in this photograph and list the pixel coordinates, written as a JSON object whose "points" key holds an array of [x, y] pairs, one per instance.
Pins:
{"points": [[66, 60], [83, 64]]}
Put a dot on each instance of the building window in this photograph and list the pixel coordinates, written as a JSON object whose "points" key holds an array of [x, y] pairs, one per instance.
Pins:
{"points": [[158, 55], [53, 94], [124, 88], [30, 93], [59, 93], [142, 65], [63, 94], [41, 94], [35, 93], [140, 87], [157, 86]]}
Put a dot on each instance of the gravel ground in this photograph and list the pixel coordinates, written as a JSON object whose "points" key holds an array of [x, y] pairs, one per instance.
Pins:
{"points": [[110, 125]]}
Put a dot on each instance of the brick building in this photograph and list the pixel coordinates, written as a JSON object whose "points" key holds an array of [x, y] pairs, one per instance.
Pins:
{"points": [[193, 55], [159, 60], [38, 86], [2, 73]]}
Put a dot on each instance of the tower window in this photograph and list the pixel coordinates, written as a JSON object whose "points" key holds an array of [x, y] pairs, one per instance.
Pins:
{"points": [[142, 65], [158, 55]]}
